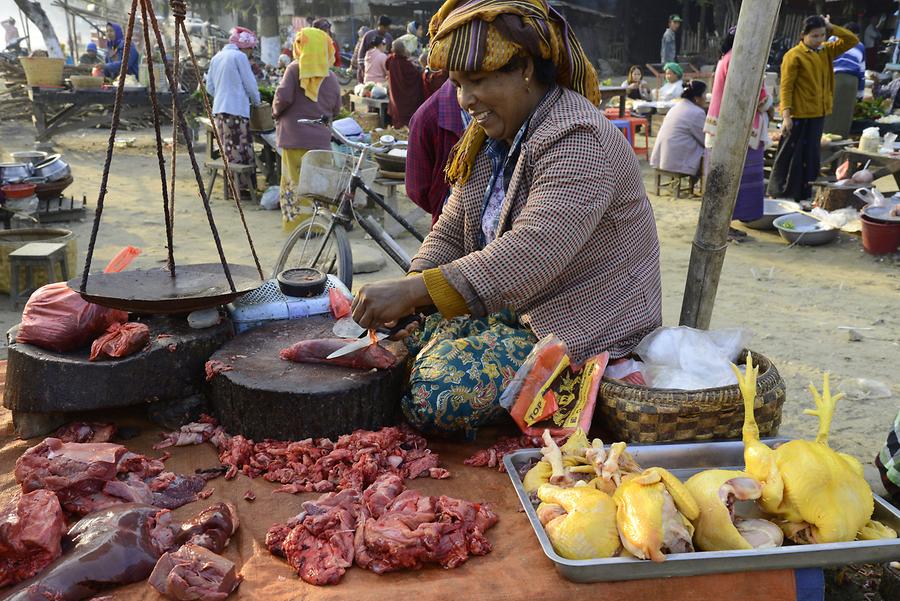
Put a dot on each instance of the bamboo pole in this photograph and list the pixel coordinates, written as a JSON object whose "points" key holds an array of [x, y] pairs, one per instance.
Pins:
{"points": [[755, 29]]}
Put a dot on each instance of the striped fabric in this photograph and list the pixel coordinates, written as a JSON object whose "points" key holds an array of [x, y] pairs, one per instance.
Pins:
{"points": [[576, 253], [484, 35]]}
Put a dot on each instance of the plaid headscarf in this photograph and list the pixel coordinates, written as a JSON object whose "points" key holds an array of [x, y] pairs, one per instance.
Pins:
{"points": [[484, 35]]}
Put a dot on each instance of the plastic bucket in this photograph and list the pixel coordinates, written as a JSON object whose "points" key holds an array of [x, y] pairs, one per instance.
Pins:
{"points": [[10, 240], [11, 191], [878, 237]]}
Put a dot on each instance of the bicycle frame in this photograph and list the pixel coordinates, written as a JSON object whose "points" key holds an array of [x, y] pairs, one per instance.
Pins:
{"points": [[345, 214]]}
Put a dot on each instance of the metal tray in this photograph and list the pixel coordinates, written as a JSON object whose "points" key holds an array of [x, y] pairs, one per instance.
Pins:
{"points": [[155, 291], [685, 460]]}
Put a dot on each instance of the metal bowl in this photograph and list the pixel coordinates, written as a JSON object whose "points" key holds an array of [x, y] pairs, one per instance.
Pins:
{"points": [[13, 172], [53, 168], [772, 209], [804, 230], [31, 157]]}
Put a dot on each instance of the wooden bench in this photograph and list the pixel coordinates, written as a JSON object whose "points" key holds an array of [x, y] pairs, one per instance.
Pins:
{"points": [[218, 165], [676, 181]]}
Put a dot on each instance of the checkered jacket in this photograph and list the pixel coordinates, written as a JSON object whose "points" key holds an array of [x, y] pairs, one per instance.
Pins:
{"points": [[577, 254]]}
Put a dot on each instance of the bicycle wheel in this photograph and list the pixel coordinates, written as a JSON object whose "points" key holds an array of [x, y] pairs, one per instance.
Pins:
{"points": [[320, 243]]}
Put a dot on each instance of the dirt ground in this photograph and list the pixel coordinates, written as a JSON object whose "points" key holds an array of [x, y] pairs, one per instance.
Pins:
{"points": [[796, 301]]}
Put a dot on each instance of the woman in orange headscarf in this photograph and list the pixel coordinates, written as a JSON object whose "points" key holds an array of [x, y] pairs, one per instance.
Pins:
{"points": [[548, 229], [308, 90]]}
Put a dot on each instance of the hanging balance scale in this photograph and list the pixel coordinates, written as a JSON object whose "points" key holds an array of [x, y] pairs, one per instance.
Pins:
{"points": [[170, 289]]}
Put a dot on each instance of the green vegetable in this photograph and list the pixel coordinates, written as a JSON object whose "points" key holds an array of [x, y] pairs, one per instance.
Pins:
{"points": [[267, 93], [871, 109], [788, 225]]}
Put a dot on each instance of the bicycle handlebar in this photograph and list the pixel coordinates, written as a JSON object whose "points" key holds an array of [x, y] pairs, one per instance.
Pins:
{"points": [[323, 120]]}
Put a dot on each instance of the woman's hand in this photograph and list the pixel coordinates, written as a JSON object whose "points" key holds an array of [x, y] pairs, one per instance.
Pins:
{"points": [[786, 124], [378, 304]]}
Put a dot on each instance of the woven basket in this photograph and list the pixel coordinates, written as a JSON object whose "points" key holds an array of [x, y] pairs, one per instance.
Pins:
{"points": [[41, 71], [639, 414]]}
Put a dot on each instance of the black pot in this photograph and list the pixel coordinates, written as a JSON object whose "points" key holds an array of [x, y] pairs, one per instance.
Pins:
{"points": [[302, 282]]}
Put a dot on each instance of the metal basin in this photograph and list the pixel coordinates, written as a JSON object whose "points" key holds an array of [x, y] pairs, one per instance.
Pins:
{"points": [[13, 172], [805, 230], [30, 157], [53, 168], [772, 209]]}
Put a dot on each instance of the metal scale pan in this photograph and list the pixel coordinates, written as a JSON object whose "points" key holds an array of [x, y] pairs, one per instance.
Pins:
{"points": [[155, 291]]}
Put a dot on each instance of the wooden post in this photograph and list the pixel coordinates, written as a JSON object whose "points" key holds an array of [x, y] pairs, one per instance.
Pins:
{"points": [[756, 26]]}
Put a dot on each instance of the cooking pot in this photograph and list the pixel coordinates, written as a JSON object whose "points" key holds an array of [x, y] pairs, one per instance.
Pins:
{"points": [[13, 172], [53, 168], [30, 157]]}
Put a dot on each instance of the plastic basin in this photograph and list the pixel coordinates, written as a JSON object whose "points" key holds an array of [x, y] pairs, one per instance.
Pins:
{"points": [[879, 237]]}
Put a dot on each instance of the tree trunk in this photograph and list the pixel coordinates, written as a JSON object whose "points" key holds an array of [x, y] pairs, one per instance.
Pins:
{"points": [[36, 15], [269, 41]]}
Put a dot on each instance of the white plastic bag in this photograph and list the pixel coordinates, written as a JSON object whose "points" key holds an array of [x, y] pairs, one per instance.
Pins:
{"points": [[688, 359], [270, 199], [859, 389]]}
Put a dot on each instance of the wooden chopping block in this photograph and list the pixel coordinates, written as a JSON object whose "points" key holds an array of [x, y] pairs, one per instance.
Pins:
{"points": [[263, 396], [831, 197]]}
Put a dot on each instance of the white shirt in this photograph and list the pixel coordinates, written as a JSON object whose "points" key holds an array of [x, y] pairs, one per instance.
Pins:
{"points": [[231, 82], [670, 91]]}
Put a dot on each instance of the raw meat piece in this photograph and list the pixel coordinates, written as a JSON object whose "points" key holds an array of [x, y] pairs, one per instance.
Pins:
{"points": [[338, 303], [86, 432], [112, 546], [214, 367], [88, 477], [205, 494], [120, 340], [120, 545], [316, 351], [352, 462], [320, 546], [194, 573], [30, 532], [493, 455], [189, 434], [394, 529]]}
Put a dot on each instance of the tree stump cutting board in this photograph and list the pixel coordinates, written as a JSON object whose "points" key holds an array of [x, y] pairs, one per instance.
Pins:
{"points": [[263, 396]]}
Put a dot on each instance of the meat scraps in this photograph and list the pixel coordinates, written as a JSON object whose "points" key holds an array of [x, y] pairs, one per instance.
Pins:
{"points": [[86, 432], [373, 356], [354, 461], [118, 545], [88, 477], [385, 528], [214, 366], [193, 572], [493, 455], [30, 532], [120, 340]]}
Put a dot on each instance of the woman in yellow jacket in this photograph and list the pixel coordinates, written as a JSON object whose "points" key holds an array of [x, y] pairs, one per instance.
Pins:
{"points": [[807, 91]]}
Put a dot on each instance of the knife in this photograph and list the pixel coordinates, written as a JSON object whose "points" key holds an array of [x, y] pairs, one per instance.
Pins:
{"points": [[369, 337]]}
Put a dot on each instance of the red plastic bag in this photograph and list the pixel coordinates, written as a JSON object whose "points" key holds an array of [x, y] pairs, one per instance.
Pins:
{"points": [[56, 318], [120, 340], [340, 306]]}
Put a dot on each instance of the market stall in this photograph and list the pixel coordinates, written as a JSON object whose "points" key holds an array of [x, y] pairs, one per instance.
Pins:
{"points": [[59, 110]]}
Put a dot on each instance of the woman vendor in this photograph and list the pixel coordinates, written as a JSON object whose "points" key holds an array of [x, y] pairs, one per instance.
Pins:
{"points": [[115, 43], [637, 88], [807, 94], [308, 90], [679, 143], [548, 228], [749, 203], [674, 86]]}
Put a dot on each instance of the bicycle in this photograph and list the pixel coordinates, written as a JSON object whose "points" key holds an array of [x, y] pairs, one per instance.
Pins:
{"points": [[325, 243]]}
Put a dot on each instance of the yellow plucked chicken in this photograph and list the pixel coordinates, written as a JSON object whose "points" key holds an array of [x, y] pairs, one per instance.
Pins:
{"points": [[654, 513], [818, 494], [580, 521], [717, 528]]}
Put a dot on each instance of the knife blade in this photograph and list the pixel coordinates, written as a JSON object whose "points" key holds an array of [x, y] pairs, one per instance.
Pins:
{"points": [[357, 345], [365, 339]]}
